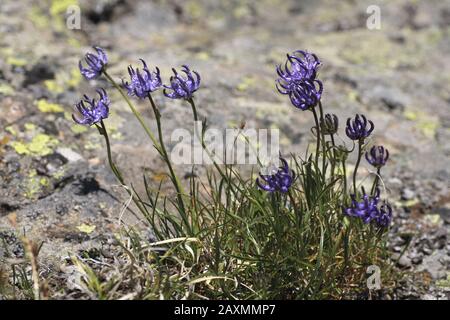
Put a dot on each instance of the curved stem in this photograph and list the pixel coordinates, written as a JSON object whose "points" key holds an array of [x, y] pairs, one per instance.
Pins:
{"points": [[150, 135], [360, 143], [163, 151], [333, 161], [203, 144], [133, 109], [114, 169], [375, 182], [344, 169], [323, 139], [317, 134]]}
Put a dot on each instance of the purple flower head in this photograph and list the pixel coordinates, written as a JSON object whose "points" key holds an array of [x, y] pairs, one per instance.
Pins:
{"points": [[385, 216], [141, 84], [299, 66], [183, 87], [367, 209], [330, 124], [92, 111], [95, 64], [280, 180], [306, 94], [377, 156], [357, 129]]}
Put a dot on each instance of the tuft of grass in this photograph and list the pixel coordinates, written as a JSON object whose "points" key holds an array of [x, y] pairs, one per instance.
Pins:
{"points": [[234, 241]]}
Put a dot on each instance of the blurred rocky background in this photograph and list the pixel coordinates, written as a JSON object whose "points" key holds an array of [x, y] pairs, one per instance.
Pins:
{"points": [[53, 174]]}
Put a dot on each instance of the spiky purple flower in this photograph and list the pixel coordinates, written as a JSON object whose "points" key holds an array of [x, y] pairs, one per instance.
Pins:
{"points": [[306, 94], [91, 110], [377, 156], [183, 87], [385, 216], [280, 180], [330, 124], [298, 79], [141, 84], [358, 129], [367, 209], [299, 66], [95, 64]]}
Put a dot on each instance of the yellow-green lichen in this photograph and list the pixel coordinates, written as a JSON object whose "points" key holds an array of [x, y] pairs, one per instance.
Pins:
{"points": [[444, 283], [34, 184], [58, 9], [40, 145], [68, 116], [426, 123], [86, 228], [59, 173], [63, 80], [410, 115], [117, 135], [44, 182], [11, 130], [37, 16], [77, 129], [428, 128], [75, 78], [90, 145], [203, 56], [53, 86], [74, 43], [30, 126], [246, 83], [6, 90], [20, 147], [45, 106], [16, 61], [241, 11], [194, 9]]}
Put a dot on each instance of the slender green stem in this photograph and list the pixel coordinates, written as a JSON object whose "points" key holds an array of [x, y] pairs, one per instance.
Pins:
{"points": [[150, 135], [323, 139], [368, 245], [376, 181], [174, 178], [203, 144], [344, 169], [133, 109], [317, 134], [194, 112], [201, 136], [360, 144], [114, 169], [333, 161]]}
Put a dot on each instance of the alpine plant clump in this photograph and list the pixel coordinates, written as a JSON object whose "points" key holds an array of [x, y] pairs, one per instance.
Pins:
{"points": [[296, 231]]}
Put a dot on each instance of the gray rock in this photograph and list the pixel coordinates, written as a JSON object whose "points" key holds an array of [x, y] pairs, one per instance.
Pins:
{"points": [[417, 259], [408, 194], [69, 154], [428, 297], [392, 98], [394, 183], [432, 264], [404, 262], [427, 250]]}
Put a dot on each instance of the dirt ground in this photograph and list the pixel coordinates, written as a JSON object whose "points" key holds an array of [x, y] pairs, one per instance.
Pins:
{"points": [[53, 173]]}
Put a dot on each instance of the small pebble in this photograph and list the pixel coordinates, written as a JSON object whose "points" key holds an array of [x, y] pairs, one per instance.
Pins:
{"points": [[408, 194]]}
